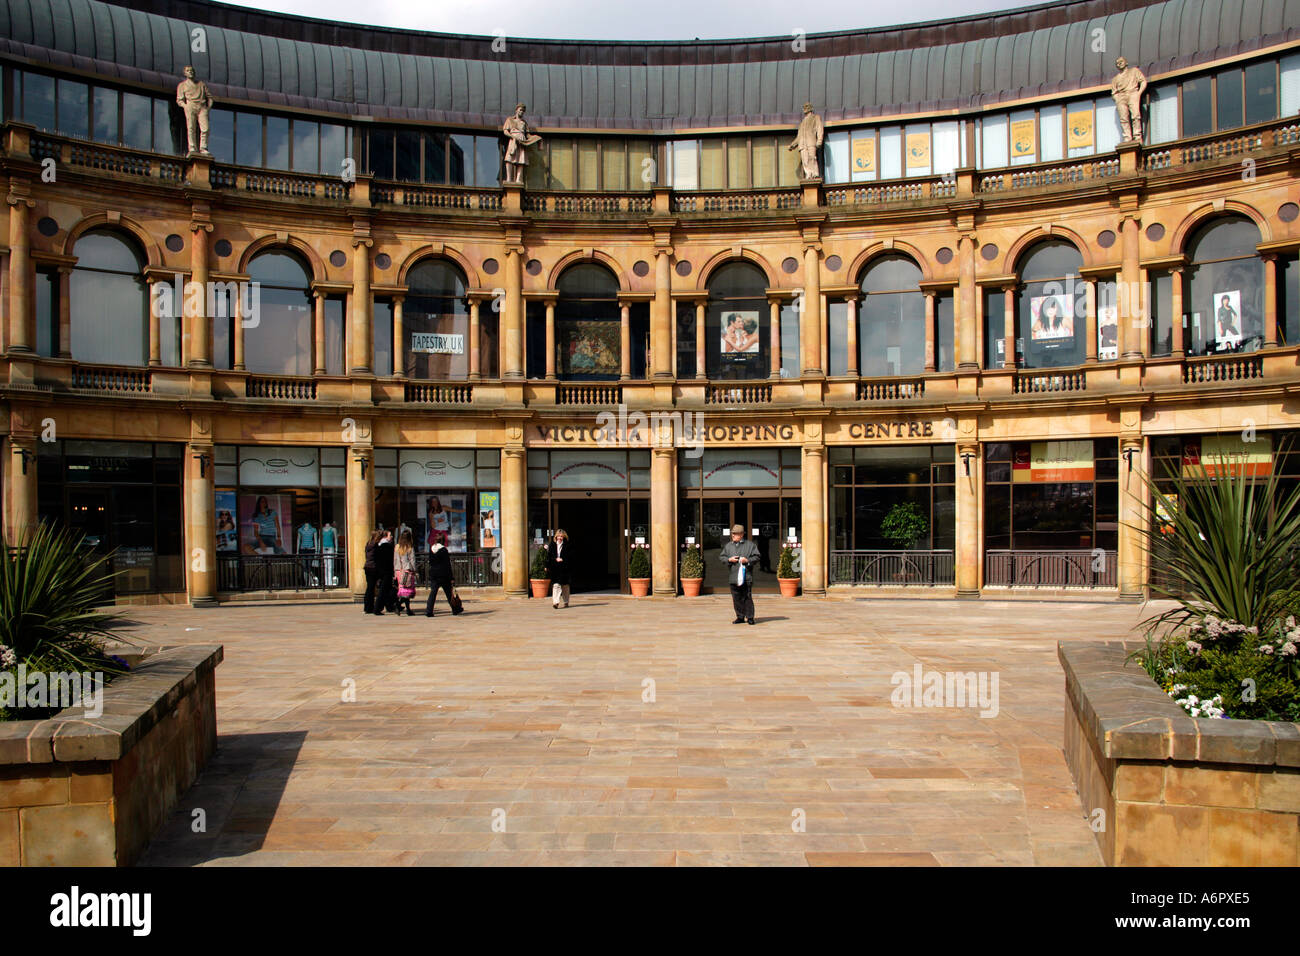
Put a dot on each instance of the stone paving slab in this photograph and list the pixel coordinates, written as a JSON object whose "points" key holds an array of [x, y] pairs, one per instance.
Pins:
{"points": [[347, 740]]}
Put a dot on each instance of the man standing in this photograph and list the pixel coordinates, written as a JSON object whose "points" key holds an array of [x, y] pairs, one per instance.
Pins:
{"points": [[741, 554], [808, 140], [1126, 89], [193, 97]]}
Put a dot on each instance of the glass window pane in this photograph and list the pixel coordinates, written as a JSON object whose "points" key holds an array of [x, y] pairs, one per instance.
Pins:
{"points": [[334, 144], [47, 318], [995, 342], [38, 101], [306, 147], [1164, 113], [1261, 92], [74, 108], [1290, 91], [836, 155], [994, 142], [588, 165], [1288, 312], [1051, 134], [864, 155], [947, 147], [435, 158], [221, 136], [487, 161], [1107, 125], [462, 159], [105, 115], [1160, 293], [560, 154], [1228, 99], [277, 142], [790, 367], [164, 134], [891, 153], [713, 174], [248, 139], [383, 337], [764, 159], [1196, 107], [737, 163], [334, 341], [837, 337], [918, 146], [1081, 129], [944, 334], [137, 121], [641, 164], [684, 161], [408, 156]]}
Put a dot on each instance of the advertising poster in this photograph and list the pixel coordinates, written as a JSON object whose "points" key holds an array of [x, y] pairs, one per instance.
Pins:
{"points": [[1024, 138], [489, 512], [437, 343], [443, 518], [1046, 462], [1227, 320], [264, 523], [739, 335], [864, 154], [1108, 333], [1165, 515], [590, 348], [918, 150], [1079, 129], [1052, 317], [1228, 455], [227, 530]]}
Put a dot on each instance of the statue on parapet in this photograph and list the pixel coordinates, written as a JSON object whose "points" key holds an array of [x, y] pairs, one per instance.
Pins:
{"points": [[808, 140], [518, 138], [1126, 89], [193, 97]]}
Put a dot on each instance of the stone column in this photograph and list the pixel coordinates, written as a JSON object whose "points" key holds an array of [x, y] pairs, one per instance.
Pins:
{"points": [[663, 537], [200, 525], [1090, 345], [550, 340], [625, 342], [1133, 517], [967, 556], [1009, 326], [964, 339], [774, 311], [361, 514], [237, 332], [362, 332], [512, 326], [22, 316], [701, 369], [930, 333], [197, 335], [20, 503], [810, 322], [1270, 301], [155, 321], [65, 312], [813, 496], [1128, 297], [1178, 347], [399, 336], [851, 335], [318, 331], [661, 331], [475, 362], [514, 533]]}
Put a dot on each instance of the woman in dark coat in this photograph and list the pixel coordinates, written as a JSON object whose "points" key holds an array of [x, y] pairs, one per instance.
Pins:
{"points": [[371, 579], [439, 575], [559, 567], [385, 593]]}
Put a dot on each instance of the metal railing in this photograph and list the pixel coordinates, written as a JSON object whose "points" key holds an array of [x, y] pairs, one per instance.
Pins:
{"points": [[893, 568], [1051, 569], [281, 572], [478, 569]]}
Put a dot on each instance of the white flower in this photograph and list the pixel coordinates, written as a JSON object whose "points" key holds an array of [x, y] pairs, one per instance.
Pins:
{"points": [[1266, 649], [7, 657]]}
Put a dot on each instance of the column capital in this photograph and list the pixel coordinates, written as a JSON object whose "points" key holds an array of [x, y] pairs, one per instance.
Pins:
{"points": [[200, 225], [359, 241], [19, 198]]}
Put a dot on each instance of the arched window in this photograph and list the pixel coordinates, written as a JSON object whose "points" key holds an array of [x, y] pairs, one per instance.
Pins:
{"points": [[588, 340], [110, 302], [278, 339], [891, 318], [1051, 307], [1225, 291], [737, 325], [435, 321]]}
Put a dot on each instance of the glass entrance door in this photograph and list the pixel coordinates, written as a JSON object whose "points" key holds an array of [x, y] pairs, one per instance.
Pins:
{"points": [[761, 519], [88, 515], [595, 528]]}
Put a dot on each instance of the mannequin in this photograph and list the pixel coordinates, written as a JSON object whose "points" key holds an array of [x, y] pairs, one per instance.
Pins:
{"points": [[329, 546], [307, 545]]}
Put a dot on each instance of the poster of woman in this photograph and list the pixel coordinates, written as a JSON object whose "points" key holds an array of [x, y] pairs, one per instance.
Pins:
{"points": [[1052, 317], [264, 521], [1227, 320], [1108, 333], [444, 521], [489, 505], [227, 530]]}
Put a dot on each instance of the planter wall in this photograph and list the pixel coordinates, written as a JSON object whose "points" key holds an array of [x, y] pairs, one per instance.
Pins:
{"points": [[78, 791], [1175, 790]]}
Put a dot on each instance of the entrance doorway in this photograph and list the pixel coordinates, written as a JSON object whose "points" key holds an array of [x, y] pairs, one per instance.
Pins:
{"points": [[761, 519], [595, 528], [88, 515]]}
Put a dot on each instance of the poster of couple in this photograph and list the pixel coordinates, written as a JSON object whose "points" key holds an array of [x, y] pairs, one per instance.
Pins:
{"points": [[739, 335]]}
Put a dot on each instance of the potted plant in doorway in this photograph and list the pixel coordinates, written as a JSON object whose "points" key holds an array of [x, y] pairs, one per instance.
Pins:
{"points": [[789, 568], [638, 570], [537, 579], [692, 570]]}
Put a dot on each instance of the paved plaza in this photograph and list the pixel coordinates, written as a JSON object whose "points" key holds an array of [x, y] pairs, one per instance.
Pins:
{"points": [[625, 731]]}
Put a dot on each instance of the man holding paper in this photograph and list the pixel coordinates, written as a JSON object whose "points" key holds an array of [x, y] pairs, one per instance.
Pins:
{"points": [[741, 554]]}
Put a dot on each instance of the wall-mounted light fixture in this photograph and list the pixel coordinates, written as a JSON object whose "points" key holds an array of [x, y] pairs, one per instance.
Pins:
{"points": [[204, 460], [25, 455], [1129, 452], [966, 456], [361, 460]]}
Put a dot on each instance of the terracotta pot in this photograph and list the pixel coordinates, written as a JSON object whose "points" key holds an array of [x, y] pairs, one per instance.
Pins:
{"points": [[789, 586], [691, 586], [640, 586], [541, 586]]}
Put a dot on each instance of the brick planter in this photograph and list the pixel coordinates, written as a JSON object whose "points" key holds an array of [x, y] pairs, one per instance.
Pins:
{"points": [[1175, 790], [78, 791]]}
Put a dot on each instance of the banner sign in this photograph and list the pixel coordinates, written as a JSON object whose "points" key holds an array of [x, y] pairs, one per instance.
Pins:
{"points": [[438, 342], [1045, 462]]}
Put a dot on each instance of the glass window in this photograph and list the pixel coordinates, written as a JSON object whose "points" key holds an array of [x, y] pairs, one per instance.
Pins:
{"points": [[1081, 129], [1052, 306], [306, 147], [995, 339], [1108, 133], [994, 142], [944, 333], [334, 334], [47, 312], [683, 164], [408, 149], [1163, 105], [221, 135], [713, 171], [435, 158], [248, 139], [1228, 99], [790, 360], [561, 165], [737, 163], [487, 161], [641, 164], [280, 343], [137, 121], [737, 325], [588, 164], [1023, 128], [613, 162], [1289, 92], [1288, 293], [105, 129], [74, 108], [891, 153], [334, 148], [1197, 120], [462, 160], [435, 322], [109, 307], [947, 147], [1261, 92], [38, 100], [836, 154], [1051, 134], [1160, 295], [277, 142], [1224, 296], [382, 329], [164, 133], [865, 155], [918, 149], [381, 153], [891, 318], [837, 337], [686, 340]]}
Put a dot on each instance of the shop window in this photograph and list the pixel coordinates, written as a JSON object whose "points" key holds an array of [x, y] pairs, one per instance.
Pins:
{"points": [[435, 319], [1051, 495], [109, 301], [870, 483], [1288, 294], [737, 323], [891, 318], [1224, 294], [280, 343], [1051, 306]]}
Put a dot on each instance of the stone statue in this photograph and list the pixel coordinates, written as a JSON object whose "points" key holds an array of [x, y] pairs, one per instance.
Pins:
{"points": [[1126, 89], [808, 140], [193, 97], [518, 137]]}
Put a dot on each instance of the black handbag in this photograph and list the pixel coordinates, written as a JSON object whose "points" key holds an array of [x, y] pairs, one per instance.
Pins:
{"points": [[456, 606]]}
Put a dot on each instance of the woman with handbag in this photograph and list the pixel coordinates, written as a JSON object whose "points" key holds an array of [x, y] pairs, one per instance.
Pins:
{"points": [[371, 573], [404, 571], [440, 577]]}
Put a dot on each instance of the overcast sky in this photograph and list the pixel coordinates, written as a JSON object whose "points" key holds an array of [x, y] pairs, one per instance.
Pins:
{"points": [[634, 19]]}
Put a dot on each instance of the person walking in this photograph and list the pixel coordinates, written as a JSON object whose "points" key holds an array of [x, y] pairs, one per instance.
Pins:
{"points": [[559, 567], [385, 595], [439, 575], [371, 580], [741, 555], [404, 571]]}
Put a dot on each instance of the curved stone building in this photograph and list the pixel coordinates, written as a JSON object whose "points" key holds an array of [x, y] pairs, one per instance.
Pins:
{"points": [[944, 365]]}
